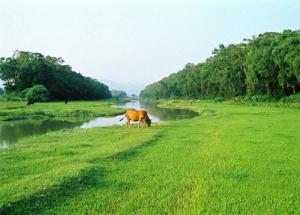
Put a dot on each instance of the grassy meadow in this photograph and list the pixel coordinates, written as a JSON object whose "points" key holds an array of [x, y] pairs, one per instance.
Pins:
{"points": [[18, 110], [231, 159]]}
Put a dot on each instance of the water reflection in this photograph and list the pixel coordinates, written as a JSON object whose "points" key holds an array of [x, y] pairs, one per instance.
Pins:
{"points": [[103, 121], [165, 114], [14, 131]]}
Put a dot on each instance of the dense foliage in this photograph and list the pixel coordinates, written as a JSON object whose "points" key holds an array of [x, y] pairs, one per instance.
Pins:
{"points": [[1, 91], [25, 69], [266, 65], [37, 93], [119, 94]]}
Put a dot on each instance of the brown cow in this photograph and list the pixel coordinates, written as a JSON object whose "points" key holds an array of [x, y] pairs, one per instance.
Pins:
{"points": [[137, 115]]}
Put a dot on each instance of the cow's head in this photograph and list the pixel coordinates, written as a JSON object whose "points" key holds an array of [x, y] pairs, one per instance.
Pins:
{"points": [[148, 121]]}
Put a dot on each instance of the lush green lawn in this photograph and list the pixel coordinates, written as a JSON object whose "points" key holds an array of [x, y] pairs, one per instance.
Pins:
{"points": [[19, 110], [232, 159]]}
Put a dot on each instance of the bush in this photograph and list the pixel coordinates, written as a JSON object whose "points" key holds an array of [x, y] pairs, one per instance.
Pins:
{"points": [[11, 96], [219, 99], [259, 98], [291, 98], [24, 92], [37, 93]]}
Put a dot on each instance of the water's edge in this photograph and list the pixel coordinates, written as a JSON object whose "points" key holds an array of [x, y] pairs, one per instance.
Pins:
{"points": [[13, 132]]}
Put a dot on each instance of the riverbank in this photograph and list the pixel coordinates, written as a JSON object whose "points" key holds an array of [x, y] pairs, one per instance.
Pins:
{"points": [[10, 111], [231, 159]]}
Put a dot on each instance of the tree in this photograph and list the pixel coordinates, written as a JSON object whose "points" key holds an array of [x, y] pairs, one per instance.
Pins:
{"points": [[26, 69], [261, 71], [118, 94], [266, 65]]}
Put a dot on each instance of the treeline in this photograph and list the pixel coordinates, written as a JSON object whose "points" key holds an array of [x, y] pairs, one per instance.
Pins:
{"points": [[25, 70], [266, 65], [119, 94]]}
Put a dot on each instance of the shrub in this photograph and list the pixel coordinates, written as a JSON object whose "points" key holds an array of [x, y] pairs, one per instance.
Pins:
{"points": [[218, 99], [259, 98], [11, 96], [24, 92], [291, 98], [37, 93]]}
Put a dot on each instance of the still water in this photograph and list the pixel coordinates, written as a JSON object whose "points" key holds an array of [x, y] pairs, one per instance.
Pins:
{"points": [[14, 131]]}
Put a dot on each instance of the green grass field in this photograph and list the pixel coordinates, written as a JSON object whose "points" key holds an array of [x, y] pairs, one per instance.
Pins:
{"points": [[19, 110], [231, 159]]}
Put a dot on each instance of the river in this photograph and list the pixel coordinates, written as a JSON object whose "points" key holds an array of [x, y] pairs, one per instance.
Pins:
{"points": [[12, 132]]}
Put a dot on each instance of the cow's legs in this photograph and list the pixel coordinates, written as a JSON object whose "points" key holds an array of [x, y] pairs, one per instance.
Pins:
{"points": [[128, 123]]}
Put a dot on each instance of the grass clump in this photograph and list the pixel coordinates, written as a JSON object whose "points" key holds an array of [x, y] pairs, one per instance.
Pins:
{"points": [[295, 98], [19, 110]]}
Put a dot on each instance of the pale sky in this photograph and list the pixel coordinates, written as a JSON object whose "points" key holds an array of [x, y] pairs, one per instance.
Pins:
{"points": [[136, 41]]}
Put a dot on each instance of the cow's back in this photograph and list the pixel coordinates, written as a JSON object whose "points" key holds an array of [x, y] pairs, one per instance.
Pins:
{"points": [[136, 115]]}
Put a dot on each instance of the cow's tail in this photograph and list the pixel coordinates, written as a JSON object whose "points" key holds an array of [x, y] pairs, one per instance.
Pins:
{"points": [[122, 118]]}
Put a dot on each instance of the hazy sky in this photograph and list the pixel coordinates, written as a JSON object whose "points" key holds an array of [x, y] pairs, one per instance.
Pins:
{"points": [[136, 41]]}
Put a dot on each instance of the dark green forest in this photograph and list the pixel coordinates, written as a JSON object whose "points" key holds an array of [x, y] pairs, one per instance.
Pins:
{"points": [[265, 65], [24, 70]]}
